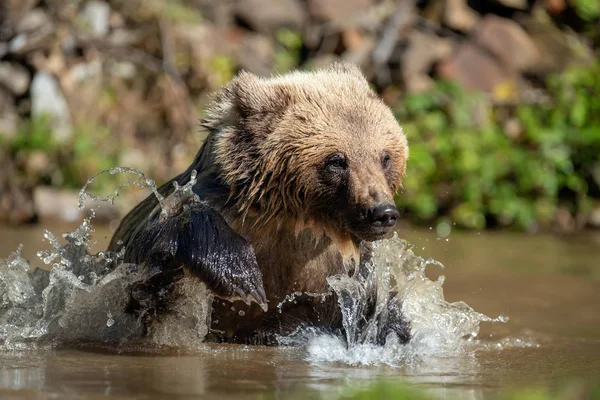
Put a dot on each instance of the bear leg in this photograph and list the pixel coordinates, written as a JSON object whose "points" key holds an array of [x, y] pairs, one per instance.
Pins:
{"points": [[200, 240]]}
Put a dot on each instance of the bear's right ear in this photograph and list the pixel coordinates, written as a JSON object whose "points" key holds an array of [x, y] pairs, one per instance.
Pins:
{"points": [[252, 94]]}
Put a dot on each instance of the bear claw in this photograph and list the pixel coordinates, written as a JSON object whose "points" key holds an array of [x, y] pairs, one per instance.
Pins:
{"points": [[254, 294]]}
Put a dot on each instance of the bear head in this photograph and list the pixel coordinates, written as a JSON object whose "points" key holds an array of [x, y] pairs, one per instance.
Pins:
{"points": [[318, 150]]}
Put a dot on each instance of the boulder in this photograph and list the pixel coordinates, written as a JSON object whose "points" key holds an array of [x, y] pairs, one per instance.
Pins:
{"points": [[514, 4], [558, 49], [267, 16], [474, 69], [16, 205], [422, 52], [329, 10], [32, 21], [9, 119], [62, 205], [14, 77], [256, 54], [508, 41], [47, 101], [95, 18], [15, 10], [594, 217], [459, 16]]}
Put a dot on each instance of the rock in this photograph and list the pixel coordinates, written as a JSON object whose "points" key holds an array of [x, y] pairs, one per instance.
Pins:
{"points": [[122, 69], [9, 119], [514, 4], [135, 158], [95, 16], [474, 69], [459, 16], [16, 206], [564, 221], [53, 204], [33, 21], [267, 16], [32, 32], [557, 49], [352, 39], [47, 100], [556, 7], [359, 47], [594, 217], [17, 43], [256, 54], [62, 204], [329, 10], [122, 37], [82, 72], [16, 10], [513, 128], [14, 77], [38, 162], [508, 41], [204, 44], [323, 61], [422, 52], [361, 55], [219, 13]]}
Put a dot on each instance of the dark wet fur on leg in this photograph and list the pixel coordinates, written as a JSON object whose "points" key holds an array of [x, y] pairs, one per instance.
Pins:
{"points": [[200, 240]]}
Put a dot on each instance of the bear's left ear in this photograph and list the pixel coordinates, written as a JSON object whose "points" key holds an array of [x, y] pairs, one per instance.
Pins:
{"points": [[252, 95]]}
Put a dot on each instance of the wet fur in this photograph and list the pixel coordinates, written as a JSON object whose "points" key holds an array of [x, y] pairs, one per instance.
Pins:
{"points": [[268, 206]]}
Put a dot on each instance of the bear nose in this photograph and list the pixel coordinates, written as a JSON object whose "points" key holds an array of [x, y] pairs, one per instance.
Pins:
{"points": [[383, 216]]}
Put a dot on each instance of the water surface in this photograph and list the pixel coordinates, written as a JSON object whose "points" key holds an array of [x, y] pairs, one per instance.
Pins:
{"points": [[548, 286]]}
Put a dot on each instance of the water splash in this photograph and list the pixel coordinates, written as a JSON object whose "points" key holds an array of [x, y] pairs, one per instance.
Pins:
{"points": [[82, 298], [438, 328]]}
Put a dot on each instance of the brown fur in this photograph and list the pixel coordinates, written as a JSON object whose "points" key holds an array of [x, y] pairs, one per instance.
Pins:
{"points": [[262, 169]]}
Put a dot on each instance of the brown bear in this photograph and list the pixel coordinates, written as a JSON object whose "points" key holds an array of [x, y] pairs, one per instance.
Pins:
{"points": [[296, 177]]}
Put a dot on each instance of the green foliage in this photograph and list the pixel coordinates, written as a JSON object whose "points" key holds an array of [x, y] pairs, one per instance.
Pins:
{"points": [[387, 390], [34, 135], [224, 68], [176, 11], [587, 9], [476, 173], [70, 162], [287, 55], [397, 390]]}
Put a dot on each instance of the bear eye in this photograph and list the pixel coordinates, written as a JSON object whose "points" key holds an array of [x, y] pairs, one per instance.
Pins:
{"points": [[386, 160], [336, 163]]}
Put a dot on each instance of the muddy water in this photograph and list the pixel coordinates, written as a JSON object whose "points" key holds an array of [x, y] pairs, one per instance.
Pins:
{"points": [[549, 287]]}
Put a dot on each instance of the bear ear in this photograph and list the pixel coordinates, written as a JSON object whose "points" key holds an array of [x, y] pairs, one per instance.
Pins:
{"points": [[347, 68], [252, 94]]}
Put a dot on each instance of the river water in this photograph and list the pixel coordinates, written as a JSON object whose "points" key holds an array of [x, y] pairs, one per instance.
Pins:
{"points": [[548, 287]]}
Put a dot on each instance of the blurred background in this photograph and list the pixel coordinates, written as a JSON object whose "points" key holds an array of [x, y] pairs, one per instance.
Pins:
{"points": [[500, 99]]}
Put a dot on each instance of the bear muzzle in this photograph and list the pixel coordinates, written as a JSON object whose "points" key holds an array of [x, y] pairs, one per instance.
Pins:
{"points": [[374, 222], [383, 216]]}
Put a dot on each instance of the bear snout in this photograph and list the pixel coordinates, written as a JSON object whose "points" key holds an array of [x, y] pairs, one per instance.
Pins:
{"points": [[383, 216], [373, 222]]}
